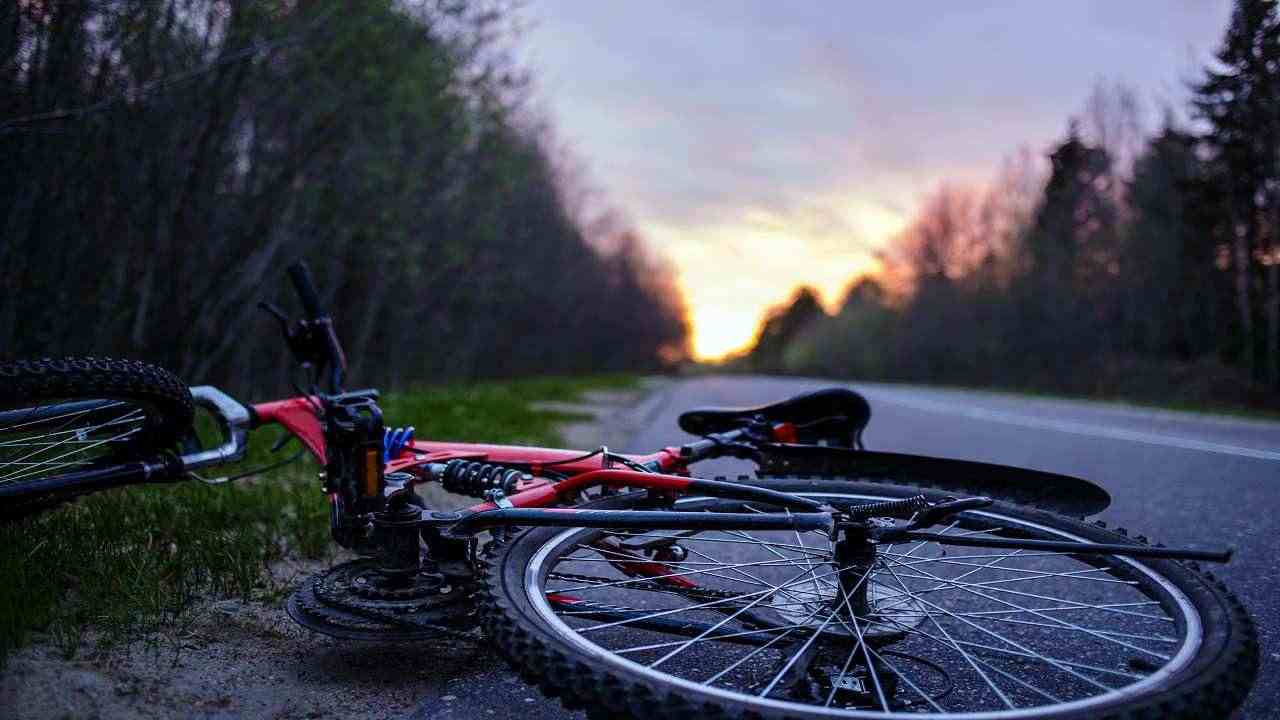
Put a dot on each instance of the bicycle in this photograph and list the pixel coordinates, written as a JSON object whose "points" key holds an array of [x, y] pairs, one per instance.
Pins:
{"points": [[837, 581]]}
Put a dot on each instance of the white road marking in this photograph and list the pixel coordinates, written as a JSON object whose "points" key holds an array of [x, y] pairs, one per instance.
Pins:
{"points": [[1073, 427]]}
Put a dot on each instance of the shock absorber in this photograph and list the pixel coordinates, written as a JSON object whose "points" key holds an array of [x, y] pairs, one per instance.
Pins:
{"points": [[468, 477]]}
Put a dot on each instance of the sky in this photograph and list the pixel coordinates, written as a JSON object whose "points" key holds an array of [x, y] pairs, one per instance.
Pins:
{"points": [[764, 145]]}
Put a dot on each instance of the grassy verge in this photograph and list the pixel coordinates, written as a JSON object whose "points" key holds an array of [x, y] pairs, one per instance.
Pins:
{"points": [[124, 564]]}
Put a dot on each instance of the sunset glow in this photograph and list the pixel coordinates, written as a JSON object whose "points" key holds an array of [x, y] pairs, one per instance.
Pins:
{"points": [[762, 146], [734, 269]]}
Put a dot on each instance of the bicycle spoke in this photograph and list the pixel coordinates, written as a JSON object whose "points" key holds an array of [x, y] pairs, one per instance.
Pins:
{"points": [[927, 697], [956, 646], [26, 440], [1075, 574], [1065, 608], [1014, 653], [771, 547], [1134, 636], [922, 543], [757, 651], [73, 414], [697, 538], [52, 461], [710, 630], [648, 578], [749, 578], [969, 587], [778, 630], [998, 636], [871, 667], [1004, 630], [1003, 673], [991, 585], [710, 603], [796, 656]]}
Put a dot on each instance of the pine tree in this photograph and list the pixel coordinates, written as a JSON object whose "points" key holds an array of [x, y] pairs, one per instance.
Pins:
{"points": [[1071, 243], [1171, 290], [782, 324], [1239, 98]]}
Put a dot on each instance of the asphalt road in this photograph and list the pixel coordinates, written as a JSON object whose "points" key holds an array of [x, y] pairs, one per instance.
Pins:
{"points": [[1180, 478]]}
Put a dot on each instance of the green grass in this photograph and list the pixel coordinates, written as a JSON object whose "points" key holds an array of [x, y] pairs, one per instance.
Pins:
{"points": [[127, 563]]}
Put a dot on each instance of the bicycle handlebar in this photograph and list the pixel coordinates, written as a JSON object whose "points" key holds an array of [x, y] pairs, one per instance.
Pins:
{"points": [[300, 274], [319, 342], [235, 419]]}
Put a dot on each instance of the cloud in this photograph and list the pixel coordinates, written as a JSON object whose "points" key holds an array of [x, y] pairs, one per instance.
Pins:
{"points": [[764, 144]]}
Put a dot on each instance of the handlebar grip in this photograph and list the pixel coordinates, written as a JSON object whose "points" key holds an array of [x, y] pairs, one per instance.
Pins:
{"points": [[300, 274]]}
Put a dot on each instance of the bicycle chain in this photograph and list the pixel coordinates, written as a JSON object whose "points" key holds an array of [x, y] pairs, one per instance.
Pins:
{"points": [[322, 603], [389, 618]]}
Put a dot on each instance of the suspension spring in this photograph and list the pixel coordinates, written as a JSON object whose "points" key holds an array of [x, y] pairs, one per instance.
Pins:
{"points": [[902, 509], [467, 477]]}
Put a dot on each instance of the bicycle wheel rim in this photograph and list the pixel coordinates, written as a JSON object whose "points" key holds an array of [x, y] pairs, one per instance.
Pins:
{"points": [[1172, 600]]}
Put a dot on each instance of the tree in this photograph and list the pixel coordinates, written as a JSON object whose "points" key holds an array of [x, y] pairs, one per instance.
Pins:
{"points": [[1239, 101], [164, 159], [1170, 280], [1071, 256], [855, 342], [781, 324]]}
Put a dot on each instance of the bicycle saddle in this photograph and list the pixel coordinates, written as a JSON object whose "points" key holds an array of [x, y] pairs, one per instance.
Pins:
{"points": [[834, 415]]}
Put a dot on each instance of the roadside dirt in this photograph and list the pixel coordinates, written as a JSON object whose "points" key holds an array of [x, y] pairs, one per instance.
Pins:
{"points": [[247, 659]]}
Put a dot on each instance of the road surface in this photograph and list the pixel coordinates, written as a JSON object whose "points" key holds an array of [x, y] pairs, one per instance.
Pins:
{"points": [[1176, 477]]}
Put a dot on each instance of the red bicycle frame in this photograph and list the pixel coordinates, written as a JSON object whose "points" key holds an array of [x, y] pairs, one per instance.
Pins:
{"points": [[584, 472]]}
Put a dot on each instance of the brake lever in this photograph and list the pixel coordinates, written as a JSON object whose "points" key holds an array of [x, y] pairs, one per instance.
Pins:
{"points": [[950, 506], [300, 336], [931, 515]]}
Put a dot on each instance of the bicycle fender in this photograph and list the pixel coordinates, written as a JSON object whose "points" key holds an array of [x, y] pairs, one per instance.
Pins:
{"points": [[1050, 491]]}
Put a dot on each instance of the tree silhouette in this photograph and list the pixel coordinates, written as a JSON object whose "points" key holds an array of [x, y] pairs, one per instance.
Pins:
{"points": [[782, 324], [1239, 99], [163, 160]]}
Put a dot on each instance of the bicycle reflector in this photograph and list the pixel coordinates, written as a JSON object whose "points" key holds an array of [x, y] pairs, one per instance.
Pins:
{"points": [[354, 437]]}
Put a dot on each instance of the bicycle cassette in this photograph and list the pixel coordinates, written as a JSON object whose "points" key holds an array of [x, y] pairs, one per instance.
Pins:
{"points": [[357, 601]]}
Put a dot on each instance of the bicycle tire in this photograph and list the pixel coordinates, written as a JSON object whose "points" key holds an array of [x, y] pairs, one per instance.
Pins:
{"points": [[1211, 683], [158, 405]]}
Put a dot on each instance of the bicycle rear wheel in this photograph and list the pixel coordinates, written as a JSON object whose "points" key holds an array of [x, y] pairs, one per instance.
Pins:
{"points": [[60, 416], [733, 624]]}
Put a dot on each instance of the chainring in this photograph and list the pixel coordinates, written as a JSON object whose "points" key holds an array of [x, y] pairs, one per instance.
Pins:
{"points": [[356, 601]]}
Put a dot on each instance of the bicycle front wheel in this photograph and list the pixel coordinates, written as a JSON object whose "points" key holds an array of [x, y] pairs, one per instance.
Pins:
{"points": [[63, 415], [664, 624]]}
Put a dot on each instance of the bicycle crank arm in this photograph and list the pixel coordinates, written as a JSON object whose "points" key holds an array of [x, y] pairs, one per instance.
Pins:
{"points": [[1075, 548], [635, 520]]}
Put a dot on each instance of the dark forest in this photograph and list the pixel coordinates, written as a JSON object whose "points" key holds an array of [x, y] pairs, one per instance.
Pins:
{"points": [[163, 161], [1138, 265]]}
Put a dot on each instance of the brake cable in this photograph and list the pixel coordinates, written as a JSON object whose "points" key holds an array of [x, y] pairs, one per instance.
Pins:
{"points": [[253, 471]]}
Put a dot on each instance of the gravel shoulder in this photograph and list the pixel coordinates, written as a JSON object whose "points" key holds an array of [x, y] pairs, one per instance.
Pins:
{"points": [[247, 659]]}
